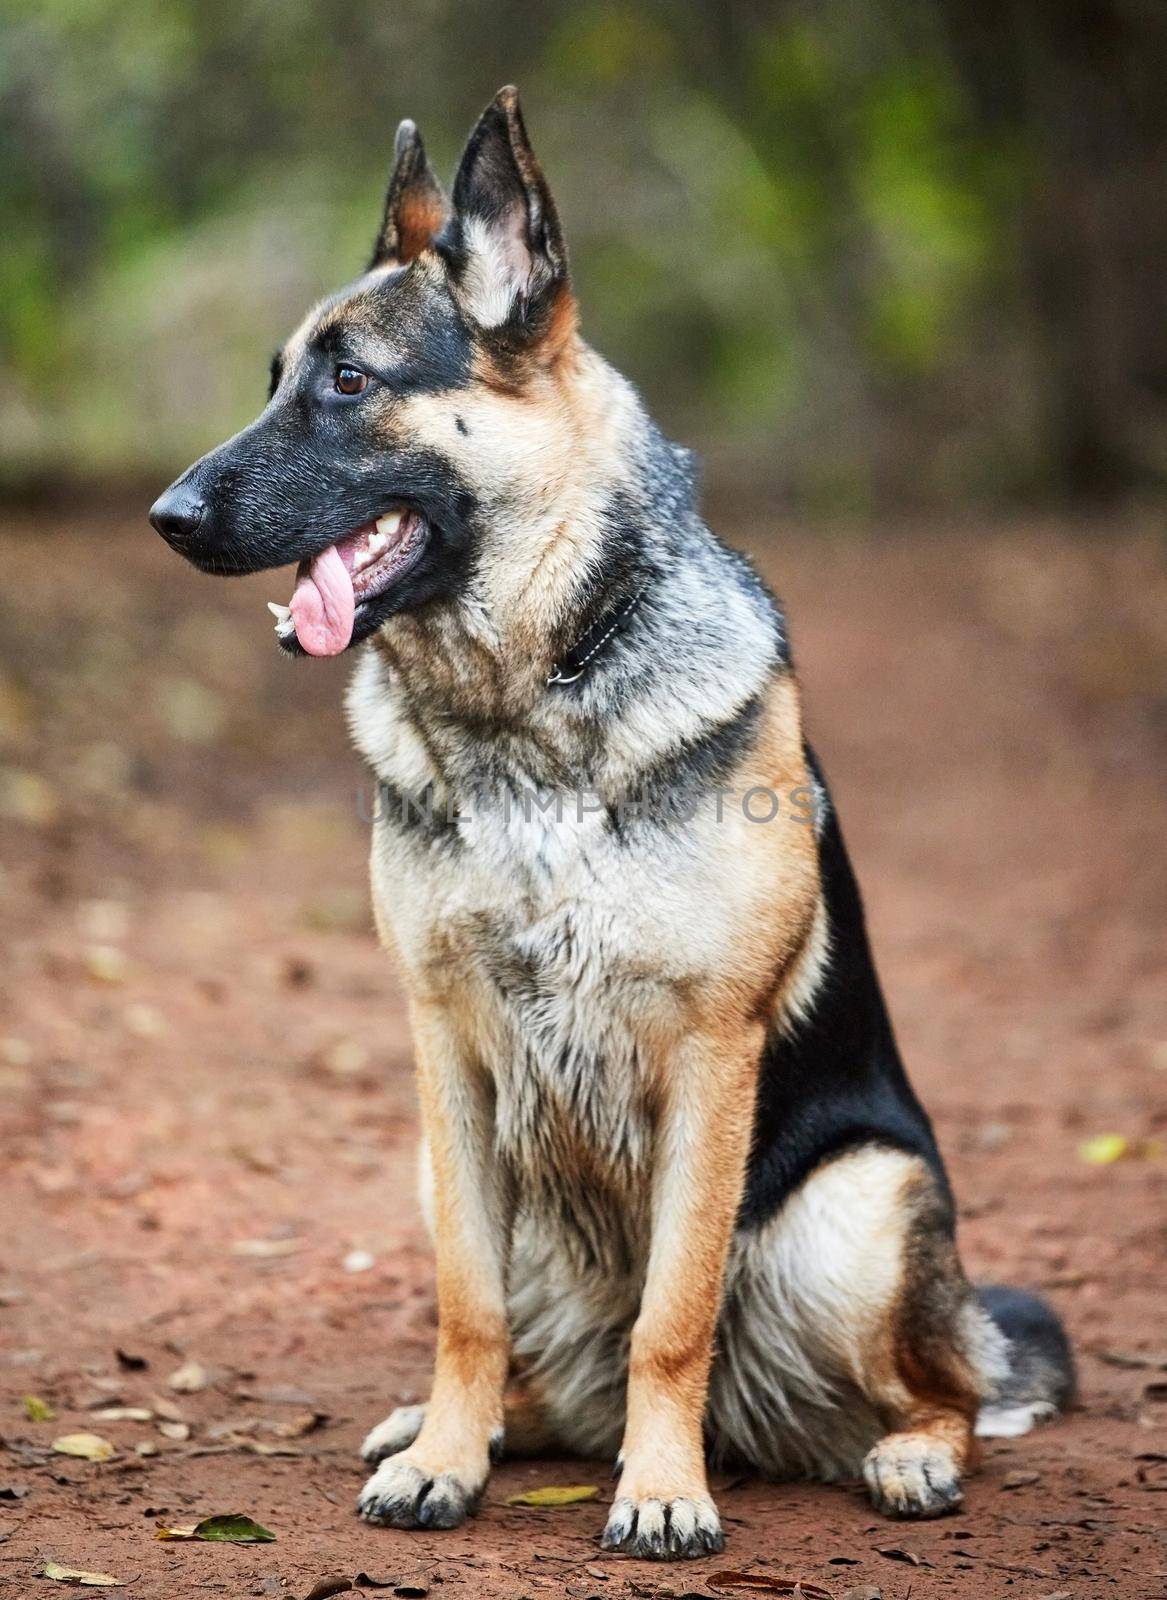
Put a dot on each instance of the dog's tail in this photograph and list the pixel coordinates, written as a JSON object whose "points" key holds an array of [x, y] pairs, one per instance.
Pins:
{"points": [[1038, 1379]]}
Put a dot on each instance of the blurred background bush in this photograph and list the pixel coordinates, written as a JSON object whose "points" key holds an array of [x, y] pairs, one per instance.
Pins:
{"points": [[896, 253]]}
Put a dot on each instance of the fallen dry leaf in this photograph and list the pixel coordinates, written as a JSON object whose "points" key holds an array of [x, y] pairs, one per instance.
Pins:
{"points": [[295, 1427], [893, 1552], [191, 1378], [79, 1579], [144, 1022], [166, 1409], [763, 1583], [1020, 1480], [323, 1587], [174, 1430], [276, 1395], [257, 1160], [865, 1591], [107, 963], [555, 1495], [231, 1529], [89, 1446], [258, 1447], [130, 1362], [27, 797], [124, 1414], [36, 1409], [1134, 1360], [264, 1249]]}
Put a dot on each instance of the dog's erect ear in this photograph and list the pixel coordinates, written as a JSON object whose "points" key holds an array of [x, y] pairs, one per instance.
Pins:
{"points": [[508, 257], [415, 207]]}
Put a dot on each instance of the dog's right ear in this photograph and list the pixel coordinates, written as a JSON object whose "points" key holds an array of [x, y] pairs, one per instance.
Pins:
{"points": [[415, 206]]}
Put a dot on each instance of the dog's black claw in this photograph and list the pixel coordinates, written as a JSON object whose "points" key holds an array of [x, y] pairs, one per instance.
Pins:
{"points": [[399, 1495], [663, 1530]]}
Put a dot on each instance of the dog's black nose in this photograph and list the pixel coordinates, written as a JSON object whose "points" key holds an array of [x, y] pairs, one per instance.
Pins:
{"points": [[178, 513]]}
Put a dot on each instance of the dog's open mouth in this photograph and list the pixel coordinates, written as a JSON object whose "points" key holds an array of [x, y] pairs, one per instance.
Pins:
{"points": [[332, 586]]}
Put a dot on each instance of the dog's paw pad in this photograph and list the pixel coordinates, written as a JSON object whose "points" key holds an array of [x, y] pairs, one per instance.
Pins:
{"points": [[912, 1476], [663, 1530], [401, 1494], [398, 1431]]}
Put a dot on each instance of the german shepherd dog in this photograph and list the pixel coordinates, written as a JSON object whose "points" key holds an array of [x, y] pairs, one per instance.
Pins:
{"points": [[684, 1200]]}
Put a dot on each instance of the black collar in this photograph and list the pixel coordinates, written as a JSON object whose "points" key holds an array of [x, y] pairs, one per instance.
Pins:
{"points": [[588, 646]]}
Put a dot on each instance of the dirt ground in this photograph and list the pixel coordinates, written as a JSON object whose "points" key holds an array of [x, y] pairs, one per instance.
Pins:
{"points": [[208, 1117]]}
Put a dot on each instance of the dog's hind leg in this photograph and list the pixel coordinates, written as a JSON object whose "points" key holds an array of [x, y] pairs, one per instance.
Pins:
{"points": [[939, 1355], [851, 1340]]}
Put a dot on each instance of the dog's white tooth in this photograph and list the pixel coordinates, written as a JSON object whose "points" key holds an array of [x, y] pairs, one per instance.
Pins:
{"points": [[389, 523], [279, 612]]}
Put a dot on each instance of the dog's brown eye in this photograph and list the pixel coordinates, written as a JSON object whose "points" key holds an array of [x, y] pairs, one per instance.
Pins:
{"points": [[349, 381]]}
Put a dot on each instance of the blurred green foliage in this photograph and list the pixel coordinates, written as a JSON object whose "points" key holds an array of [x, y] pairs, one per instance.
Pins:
{"points": [[861, 254]]}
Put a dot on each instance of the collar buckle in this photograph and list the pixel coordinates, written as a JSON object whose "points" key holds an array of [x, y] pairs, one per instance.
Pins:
{"points": [[562, 672]]}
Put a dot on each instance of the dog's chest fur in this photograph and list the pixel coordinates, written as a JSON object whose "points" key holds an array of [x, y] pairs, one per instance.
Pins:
{"points": [[529, 914], [538, 928]]}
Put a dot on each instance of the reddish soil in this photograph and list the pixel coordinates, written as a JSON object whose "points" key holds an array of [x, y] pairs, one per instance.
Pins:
{"points": [[201, 1047]]}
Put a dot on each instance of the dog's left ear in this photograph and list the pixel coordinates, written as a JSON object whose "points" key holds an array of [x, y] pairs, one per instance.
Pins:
{"points": [[507, 256], [416, 207]]}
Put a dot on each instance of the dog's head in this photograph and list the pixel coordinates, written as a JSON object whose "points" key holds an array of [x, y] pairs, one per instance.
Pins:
{"points": [[400, 422]]}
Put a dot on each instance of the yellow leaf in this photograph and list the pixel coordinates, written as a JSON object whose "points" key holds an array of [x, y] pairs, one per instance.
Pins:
{"points": [[90, 1580], [553, 1495], [90, 1446], [1103, 1148], [38, 1410]]}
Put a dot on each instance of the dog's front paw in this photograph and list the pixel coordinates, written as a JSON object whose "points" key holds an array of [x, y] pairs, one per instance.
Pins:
{"points": [[912, 1475], [398, 1431], [664, 1530], [404, 1493]]}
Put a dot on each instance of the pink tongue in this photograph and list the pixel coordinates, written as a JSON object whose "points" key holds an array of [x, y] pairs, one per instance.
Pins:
{"points": [[323, 605]]}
